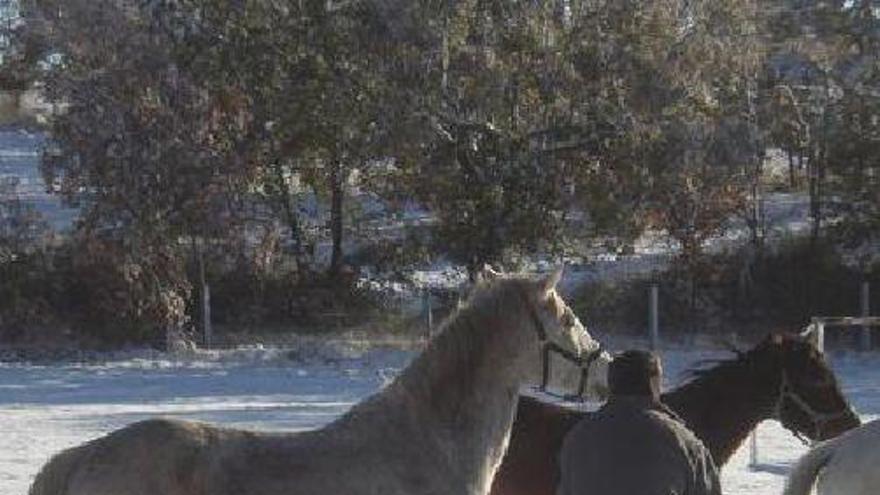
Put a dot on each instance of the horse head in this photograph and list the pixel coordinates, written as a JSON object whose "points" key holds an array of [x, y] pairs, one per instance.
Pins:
{"points": [[563, 338], [808, 400], [590, 370]]}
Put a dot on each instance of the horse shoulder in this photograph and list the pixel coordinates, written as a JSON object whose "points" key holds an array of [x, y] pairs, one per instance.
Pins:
{"points": [[853, 467], [401, 446]]}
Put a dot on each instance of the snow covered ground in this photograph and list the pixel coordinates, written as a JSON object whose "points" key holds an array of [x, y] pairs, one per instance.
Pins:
{"points": [[47, 408]]}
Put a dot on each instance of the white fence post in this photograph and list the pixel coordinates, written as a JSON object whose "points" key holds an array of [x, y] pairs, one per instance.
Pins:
{"points": [[753, 448], [654, 317], [866, 311]]}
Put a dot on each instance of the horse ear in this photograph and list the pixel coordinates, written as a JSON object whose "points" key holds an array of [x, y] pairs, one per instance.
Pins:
{"points": [[811, 336], [730, 346], [550, 281]]}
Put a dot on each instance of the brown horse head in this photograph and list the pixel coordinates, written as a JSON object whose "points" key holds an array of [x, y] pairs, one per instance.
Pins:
{"points": [[808, 400]]}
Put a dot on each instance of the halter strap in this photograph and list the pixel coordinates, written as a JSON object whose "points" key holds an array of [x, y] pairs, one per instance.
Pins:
{"points": [[817, 418], [546, 347], [536, 320], [588, 361]]}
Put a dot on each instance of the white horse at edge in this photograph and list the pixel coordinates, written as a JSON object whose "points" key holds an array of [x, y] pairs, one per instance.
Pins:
{"points": [[846, 465]]}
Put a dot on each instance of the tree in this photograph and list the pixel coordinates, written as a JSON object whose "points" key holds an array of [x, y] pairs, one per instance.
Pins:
{"points": [[21, 48], [316, 102], [853, 129], [487, 117], [675, 81], [24, 238], [143, 145]]}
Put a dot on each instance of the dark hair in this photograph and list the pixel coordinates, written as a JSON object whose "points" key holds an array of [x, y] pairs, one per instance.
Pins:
{"points": [[630, 373]]}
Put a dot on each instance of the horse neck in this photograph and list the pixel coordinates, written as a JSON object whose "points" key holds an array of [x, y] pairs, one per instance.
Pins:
{"points": [[464, 386], [723, 405]]}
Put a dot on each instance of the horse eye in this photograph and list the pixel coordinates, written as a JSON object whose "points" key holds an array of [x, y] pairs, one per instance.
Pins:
{"points": [[825, 379]]}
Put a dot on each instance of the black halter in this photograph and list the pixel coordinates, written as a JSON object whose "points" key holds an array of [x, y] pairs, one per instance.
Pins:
{"points": [[547, 346], [818, 419]]}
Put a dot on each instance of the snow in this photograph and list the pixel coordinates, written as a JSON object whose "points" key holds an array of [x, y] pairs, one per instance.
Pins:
{"points": [[46, 408]]}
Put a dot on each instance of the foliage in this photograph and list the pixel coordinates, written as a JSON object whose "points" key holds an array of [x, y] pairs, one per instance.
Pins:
{"points": [[23, 239], [738, 292], [229, 142], [675, 83]]}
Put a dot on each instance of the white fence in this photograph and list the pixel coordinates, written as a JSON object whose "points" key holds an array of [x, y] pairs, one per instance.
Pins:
{"points": [[818, 324]]}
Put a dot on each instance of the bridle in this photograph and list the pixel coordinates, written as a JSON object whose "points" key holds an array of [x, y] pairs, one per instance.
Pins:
{"points": [[817, 418], [547, 347], [583, 363]]}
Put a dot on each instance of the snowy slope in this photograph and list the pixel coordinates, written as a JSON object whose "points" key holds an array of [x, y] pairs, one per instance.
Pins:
{"points": [[47, 408]]}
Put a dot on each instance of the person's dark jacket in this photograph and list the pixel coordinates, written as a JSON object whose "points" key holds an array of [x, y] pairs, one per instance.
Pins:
{"points": [[635, 446]]}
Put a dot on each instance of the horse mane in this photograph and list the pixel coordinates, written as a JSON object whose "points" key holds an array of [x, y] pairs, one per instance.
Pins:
{"points": [[443, 372], [710, 367], [703, 367]]}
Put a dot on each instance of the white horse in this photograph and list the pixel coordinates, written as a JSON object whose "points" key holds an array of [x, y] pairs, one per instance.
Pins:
{"points": [[441, 427], [846, 465]]}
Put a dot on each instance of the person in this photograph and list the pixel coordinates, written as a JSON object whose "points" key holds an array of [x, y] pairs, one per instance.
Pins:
{"points": [[634, 445]]}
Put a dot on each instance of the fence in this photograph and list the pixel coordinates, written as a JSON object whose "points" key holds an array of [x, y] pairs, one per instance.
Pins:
{"points": [[865, 321]]}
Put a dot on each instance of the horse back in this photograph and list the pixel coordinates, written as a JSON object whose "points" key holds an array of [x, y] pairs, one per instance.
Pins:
{"points": [[148, 457], [52, 478], [530, 466]]}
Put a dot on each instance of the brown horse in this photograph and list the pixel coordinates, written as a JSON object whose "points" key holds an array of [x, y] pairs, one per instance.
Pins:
{"points": [[784, 377]]}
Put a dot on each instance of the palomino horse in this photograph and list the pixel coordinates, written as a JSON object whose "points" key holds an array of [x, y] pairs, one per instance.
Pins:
{"points": [[846, 465], [440, 427], [784, 377]]}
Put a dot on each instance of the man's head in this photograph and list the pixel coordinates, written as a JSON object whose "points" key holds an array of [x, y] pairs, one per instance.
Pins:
{"points": [[635, 373]]}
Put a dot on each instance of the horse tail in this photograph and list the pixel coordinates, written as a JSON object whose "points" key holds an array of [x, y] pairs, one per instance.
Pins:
{"points": [[54, 476], [803, 475]]}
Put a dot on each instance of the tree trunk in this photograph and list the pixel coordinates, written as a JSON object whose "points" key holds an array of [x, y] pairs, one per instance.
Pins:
{"points": [[814, 166], [290, 215], [444, 57], [205, 293], [337, 191]]}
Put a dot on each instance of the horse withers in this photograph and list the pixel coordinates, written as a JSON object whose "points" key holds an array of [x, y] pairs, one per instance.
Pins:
{"points": [[440, 427], [846, 465], [784, 377]]}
